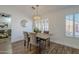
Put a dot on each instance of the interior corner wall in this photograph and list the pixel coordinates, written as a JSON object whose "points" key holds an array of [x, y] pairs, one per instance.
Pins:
{"points": [[57, 27]]}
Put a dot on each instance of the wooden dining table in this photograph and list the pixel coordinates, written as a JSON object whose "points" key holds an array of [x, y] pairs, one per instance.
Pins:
{"points": [[41, 37]]}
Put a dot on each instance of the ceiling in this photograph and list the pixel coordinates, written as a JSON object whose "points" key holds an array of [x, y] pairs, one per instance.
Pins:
{"points": [[27, 9]]}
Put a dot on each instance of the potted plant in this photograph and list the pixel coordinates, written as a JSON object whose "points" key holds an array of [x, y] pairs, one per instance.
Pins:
{"points": [[36, 30]]}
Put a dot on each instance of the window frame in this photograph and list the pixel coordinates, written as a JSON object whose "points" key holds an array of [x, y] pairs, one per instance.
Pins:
{"points": [[73, 36], [65, 24]]}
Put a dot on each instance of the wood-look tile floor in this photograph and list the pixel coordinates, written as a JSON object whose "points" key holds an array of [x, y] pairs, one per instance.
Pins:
{"points": [[54, 48], [19, 48], [5, 46]]}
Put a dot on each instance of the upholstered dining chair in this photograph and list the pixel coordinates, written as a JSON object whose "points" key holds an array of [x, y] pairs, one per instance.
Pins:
{"points": [[33, 41], [26, 39]]}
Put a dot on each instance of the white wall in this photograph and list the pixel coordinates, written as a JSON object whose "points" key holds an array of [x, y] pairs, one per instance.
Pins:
{"points": [[16, 17], [57, 27], [17, 29]]}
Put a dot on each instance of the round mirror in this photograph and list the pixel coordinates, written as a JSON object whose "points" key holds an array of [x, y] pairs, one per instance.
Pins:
{"points": [[24, 23]]}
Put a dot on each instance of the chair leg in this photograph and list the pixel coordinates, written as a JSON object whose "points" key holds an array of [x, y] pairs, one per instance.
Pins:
{"points": [[39, 46], [24, 42], [49, 43], [27, 44], [30, 47], [45, 44]]}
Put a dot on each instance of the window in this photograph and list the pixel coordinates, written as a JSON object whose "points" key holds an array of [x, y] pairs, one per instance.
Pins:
{"points": [[72, 25], [69, 25], [42, 25], [76, 25]]}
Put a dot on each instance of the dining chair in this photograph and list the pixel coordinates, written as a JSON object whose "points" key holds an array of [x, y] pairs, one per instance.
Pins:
{"points": [[26, 39], [47, 32], [33, 41], [45, 39]]}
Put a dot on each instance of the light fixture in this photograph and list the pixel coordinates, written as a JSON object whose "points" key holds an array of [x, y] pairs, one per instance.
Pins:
{"points": [[36, 15]]}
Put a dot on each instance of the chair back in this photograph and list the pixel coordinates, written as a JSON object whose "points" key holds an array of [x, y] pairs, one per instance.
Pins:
{"points": [[26, 36], [33, 38], [47, 32]]}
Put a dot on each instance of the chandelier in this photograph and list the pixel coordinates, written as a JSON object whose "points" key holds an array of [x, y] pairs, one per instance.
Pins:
{"points": [[36, 15]]}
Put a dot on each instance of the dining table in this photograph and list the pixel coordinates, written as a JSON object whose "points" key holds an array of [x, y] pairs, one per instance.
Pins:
{"points": [[39, 38]]}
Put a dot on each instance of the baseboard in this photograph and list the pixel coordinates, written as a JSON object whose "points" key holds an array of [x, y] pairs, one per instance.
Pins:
{"points": [[63, 45], [17, 41]]}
